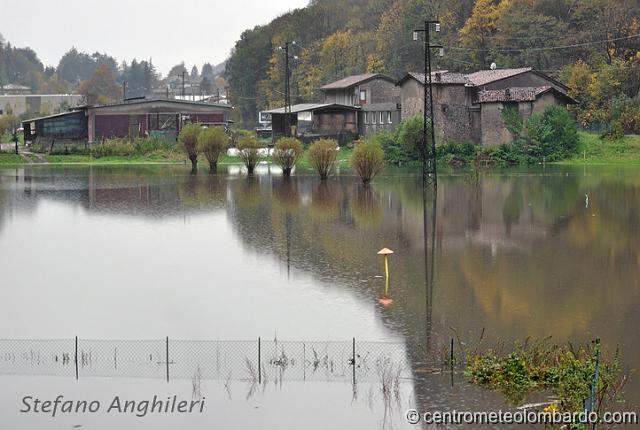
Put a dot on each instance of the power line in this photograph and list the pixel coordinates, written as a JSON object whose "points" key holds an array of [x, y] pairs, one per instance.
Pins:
{"points": [[544, 48]]}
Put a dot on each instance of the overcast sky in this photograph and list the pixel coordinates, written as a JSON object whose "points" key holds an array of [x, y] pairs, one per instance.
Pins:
{"points": [[193, 31]]}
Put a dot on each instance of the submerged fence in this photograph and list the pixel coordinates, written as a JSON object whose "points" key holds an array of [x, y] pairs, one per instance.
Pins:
{"points": [[257, 360]]}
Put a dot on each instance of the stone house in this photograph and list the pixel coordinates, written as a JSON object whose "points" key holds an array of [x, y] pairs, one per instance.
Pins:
{"points": [[469, 107], [376, 96]]}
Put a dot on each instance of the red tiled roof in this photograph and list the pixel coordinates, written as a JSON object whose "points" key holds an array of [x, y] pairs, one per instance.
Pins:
{"points": [[518, 94], [484, 77]]}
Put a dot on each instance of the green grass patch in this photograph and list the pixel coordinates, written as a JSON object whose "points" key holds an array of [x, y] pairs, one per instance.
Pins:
{"points": [[595, 150], [7, 158]]}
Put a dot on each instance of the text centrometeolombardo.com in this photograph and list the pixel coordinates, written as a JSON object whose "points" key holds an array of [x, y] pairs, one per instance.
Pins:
{"points": [[519, 417], [116, 405]]}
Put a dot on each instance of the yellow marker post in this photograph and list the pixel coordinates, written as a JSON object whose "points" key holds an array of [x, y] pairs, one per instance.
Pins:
{"points": [[386, 252]]}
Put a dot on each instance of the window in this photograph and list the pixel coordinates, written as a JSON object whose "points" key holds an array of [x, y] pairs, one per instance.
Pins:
{"points": [[363, 95], [373, 117], [381, 117], [389, 118], [366, 118]]}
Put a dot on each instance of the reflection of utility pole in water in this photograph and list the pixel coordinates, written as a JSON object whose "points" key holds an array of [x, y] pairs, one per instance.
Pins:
{"points": [[429, 257], [287, 225]]}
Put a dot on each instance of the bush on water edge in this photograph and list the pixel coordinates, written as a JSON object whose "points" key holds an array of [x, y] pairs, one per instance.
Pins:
{"points": [[568, 371]]}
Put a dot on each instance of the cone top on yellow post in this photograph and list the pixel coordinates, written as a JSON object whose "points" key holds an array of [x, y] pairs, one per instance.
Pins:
{"points": [[385, 251]]}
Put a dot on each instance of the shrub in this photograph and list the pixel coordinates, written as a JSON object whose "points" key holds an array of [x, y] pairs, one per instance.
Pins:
{"points": [[323, 155], [393, 152], [553, 134], [615, 132], [248, 152], [368, 160], [212, 142], [112, 148], [457, 153], [7, 123], [410, 137], [152, 144], [188, 139], [513, 122], [287, 153]]}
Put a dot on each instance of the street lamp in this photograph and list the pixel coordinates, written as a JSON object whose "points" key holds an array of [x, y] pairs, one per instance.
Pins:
{"points": [[428, 166]]}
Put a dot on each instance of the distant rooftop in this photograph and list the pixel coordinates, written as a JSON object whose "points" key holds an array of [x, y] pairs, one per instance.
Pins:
{"points": [[438, 77], [14, 87], [351, 81], [309, 107], [519, 94], [484, 77]]}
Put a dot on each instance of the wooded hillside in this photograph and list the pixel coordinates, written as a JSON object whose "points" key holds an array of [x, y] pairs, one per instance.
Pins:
{"points": [[593, 45]]}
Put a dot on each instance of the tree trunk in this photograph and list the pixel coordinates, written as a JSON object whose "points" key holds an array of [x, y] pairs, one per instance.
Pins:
{"points": [[250, 169], [194, 164], [213, 166], [286, 171]]}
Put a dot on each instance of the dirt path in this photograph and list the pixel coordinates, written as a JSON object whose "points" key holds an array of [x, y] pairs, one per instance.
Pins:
{"points": [[31, 157]]}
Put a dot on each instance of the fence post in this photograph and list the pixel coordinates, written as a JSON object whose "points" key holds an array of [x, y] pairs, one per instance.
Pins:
{"points": [[259, 361], [451, 360], [76, 359], [167, 357], [353, 360]]}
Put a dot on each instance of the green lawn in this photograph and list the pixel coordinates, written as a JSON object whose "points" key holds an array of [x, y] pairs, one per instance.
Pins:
{"points": [[155, 158], [7, 158], [594, 150]]}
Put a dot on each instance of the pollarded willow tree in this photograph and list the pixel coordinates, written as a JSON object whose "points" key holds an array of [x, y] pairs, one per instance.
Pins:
{"points": [[286, 153], [367, 160], [212, 142], [323, 154], [188, 139], [248, 148]]}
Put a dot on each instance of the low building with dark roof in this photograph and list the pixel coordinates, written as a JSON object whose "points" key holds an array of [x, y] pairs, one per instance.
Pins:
{"points": [[309, 121], [468, 107], [127, 120]]}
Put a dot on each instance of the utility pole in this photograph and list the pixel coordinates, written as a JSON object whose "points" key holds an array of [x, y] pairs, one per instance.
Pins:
{"points": [[429, 173], [124, 90], [15, 139], [183, 73], [287, 87]]}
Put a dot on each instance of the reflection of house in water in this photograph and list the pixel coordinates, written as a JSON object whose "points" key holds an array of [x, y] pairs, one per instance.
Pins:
{"points": [[100, 192]]}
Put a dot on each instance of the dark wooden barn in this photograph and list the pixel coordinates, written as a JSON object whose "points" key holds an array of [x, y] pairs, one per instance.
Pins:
{"points": [[129, 120]]}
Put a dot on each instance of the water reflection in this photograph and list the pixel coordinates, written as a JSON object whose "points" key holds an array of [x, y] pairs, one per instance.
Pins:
{"points": [[515, 254]]}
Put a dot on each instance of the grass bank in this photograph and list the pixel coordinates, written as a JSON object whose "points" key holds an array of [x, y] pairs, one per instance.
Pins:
{"points": [[594, 150], [156, 157]]}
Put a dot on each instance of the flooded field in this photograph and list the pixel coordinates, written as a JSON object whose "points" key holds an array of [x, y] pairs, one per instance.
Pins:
{"points": [[118, 254]]}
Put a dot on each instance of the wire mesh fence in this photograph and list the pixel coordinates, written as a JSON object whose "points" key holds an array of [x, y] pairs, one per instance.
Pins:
{"points": [[259, 360]]}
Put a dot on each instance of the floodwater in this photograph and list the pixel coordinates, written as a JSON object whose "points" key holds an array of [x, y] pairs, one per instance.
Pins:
{"points": [[148, 252]]}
